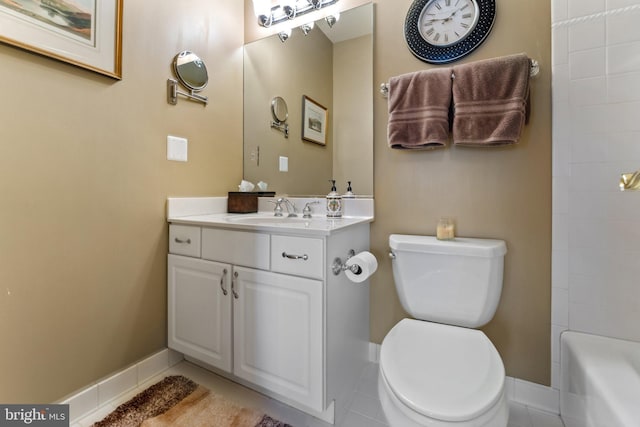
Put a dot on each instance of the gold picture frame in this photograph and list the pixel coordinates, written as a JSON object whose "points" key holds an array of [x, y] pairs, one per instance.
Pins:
{"points": [[314, 121], [84, 33]]}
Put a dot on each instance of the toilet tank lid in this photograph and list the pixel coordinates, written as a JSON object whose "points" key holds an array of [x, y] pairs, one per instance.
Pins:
{"points": [[486, 248]]}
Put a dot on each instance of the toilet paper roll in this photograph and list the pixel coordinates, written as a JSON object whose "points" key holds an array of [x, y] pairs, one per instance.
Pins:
{"points": [[368, 265]]}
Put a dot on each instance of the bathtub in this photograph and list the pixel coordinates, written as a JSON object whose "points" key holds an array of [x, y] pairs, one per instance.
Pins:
{"points": [[600, 381]]}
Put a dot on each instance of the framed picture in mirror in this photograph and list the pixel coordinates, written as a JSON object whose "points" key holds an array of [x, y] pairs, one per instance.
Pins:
{"points": [[85, 33], [314, 121]]}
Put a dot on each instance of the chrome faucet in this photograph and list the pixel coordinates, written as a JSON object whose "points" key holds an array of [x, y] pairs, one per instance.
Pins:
{"points": [[277, 210], [306, 212], [291, 207]]}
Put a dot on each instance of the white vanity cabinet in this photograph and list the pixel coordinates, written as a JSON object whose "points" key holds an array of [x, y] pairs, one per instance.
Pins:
{"points": [[264, 309], [199, 309], [278, 337]]}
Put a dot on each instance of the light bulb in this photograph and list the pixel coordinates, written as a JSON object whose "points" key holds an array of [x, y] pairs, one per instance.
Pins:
{"points": [[289, 8], [284, 35], [332, 19], [306, 28]]}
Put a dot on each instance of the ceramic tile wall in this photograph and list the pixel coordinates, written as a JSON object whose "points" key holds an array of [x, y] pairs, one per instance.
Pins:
{"points": [[596, 137]]}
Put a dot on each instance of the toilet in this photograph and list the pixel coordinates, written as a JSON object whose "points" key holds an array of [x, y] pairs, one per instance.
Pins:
{"points": [[436, 369]]}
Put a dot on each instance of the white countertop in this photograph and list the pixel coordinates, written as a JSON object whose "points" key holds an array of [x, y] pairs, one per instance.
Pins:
{"points": [[315, 226], [209, 212]]}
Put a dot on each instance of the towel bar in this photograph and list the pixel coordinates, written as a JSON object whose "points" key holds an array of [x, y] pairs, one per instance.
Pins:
{"points": [[533, 71]]}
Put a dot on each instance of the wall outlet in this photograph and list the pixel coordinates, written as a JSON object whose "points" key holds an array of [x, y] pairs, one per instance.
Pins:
{"points": [[284, 164], [176, 148]]}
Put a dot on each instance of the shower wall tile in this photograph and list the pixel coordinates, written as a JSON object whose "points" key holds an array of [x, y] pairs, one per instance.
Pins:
{"points": [[623, 87], [623, 27], [585, 7], [559, 10], [587, 35], [596, 137], [616, 4], [560, 46], [560, 269], [560, 202], [587, 63], [623, 58], [592, 91], [559, 307]]}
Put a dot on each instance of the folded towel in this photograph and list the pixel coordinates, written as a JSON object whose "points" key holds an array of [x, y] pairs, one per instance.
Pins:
{"points": [[490, 100], [419, 109]]}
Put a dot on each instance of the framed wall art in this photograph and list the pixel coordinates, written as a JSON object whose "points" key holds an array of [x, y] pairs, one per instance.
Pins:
{"points": [[314, 121], [84, 33]]}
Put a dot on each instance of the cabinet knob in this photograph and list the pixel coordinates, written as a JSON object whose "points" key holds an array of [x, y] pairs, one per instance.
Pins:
{"points": [[178, 240]]}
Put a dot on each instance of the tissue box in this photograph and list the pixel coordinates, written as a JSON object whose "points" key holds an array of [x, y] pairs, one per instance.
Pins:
{"points": [[245, 202]]}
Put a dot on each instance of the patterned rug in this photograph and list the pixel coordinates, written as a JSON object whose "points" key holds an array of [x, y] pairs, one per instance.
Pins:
{"points": [[178, 401]]}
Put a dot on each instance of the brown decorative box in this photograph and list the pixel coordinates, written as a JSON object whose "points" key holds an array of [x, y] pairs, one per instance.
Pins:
{"points": [[245, 202]]}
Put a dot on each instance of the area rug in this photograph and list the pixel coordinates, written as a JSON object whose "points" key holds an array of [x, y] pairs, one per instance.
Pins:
{"points": [[178, 401]]}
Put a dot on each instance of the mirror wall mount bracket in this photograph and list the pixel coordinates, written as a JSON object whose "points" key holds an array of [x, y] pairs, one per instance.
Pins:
{"points": [[282, 127], [173, 92]]}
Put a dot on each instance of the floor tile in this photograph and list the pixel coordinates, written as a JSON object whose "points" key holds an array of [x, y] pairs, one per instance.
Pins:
{"points": [[363, 409]]}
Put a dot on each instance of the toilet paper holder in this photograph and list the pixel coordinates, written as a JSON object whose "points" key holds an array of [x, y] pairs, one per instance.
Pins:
{"points": [[338, 266]]}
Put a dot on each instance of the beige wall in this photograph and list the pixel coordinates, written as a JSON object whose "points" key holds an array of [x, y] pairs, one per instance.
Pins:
{"points": [[502, 193], [273, 68], [84, 179]]}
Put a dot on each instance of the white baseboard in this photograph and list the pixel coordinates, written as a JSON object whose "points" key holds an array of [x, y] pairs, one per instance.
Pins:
{"points": [[520, 391], [106, 390]]}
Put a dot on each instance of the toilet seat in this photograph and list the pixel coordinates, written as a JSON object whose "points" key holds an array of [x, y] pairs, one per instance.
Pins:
{"points": [[442, 372]]}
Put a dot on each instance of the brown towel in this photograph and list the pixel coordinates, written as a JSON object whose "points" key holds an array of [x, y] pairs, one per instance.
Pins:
{"points": [[490, 101], [419, 109]]}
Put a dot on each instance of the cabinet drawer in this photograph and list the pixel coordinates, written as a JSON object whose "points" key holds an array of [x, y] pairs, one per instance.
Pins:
{"points": [[236, 247], [301, 256], [184, 240]]}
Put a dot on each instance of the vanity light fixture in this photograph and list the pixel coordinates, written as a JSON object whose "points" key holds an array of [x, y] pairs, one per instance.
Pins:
{"points": [[269, 14]]}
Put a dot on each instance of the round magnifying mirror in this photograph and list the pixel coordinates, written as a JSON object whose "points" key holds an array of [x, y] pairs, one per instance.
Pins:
{"points": [[190, 70], [279, 110]]}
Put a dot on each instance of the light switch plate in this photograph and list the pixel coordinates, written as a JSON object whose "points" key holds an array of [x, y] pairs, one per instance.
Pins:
{"points": [[177, 148], [284, 164]]}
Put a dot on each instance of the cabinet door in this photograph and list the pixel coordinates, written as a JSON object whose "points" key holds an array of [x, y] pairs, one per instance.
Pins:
{"points": [[278, 334], [199, 311]]}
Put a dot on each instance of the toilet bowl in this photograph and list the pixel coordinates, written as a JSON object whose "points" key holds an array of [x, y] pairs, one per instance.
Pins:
{"points": [[435, 370], [439, 375]]}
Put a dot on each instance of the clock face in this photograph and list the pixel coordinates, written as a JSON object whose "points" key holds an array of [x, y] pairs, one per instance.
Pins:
{"points": [[441, 31], [445, 22]]}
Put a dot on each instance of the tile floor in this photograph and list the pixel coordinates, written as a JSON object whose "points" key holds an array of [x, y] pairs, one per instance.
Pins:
{"points": [[363, 411]]}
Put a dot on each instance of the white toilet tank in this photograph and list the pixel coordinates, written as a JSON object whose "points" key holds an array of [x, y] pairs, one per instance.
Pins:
{"points": [[456, 282]]}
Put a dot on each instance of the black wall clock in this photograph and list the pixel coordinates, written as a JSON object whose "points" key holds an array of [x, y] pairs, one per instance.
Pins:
{"points": [[441, 31]]}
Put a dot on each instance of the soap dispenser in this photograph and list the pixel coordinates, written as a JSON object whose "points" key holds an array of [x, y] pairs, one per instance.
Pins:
{"points": [[349, 194], [334, 202]]}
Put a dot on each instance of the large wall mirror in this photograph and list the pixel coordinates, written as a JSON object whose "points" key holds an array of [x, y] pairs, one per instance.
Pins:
{"points": [[334, 67]]}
